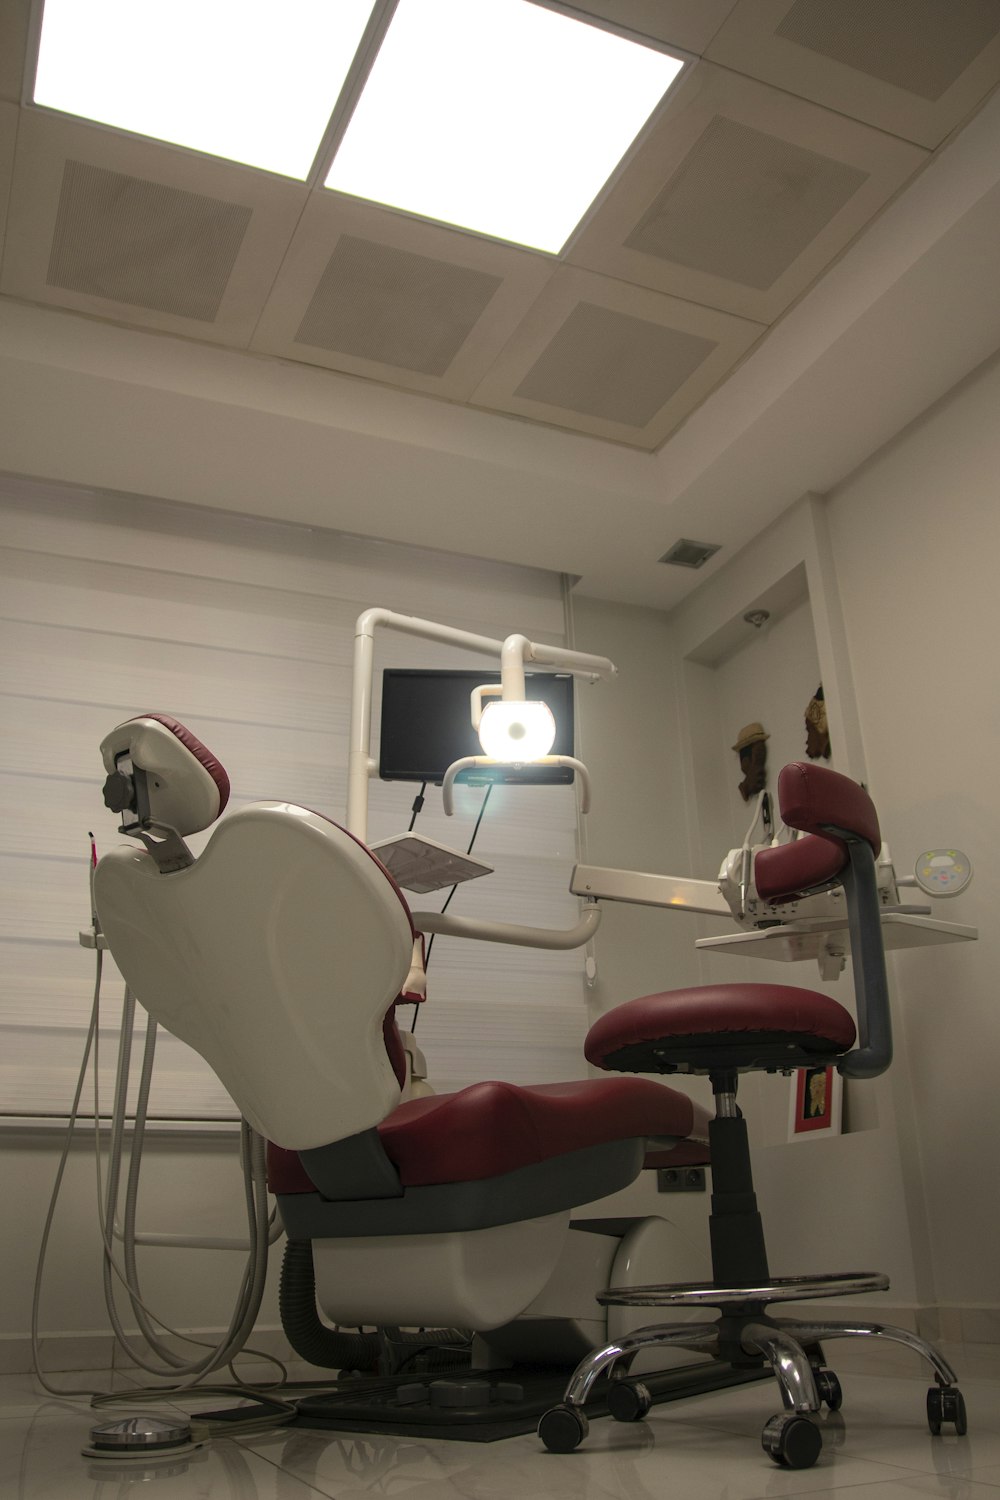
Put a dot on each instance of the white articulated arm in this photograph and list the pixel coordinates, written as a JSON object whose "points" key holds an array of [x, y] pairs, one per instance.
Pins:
{"points": [[511, 932]]}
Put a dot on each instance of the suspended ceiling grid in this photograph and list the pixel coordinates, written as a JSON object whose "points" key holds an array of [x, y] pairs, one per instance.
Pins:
{"points": [[792, 126]]}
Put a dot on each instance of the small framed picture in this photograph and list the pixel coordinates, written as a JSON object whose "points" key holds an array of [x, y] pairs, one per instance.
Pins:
{"points": [[816, 1101]]}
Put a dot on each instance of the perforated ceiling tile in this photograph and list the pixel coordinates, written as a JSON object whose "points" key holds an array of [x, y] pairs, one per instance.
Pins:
{"points": [[119, 227], [612, 360], [393, 307], [915, 69], [372, 292], [921, 46], [144, 244], [741, 195], [608, 364], [744, 205]]}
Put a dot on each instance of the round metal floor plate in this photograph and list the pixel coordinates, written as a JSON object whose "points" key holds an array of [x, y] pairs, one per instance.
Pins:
{"points": [[145, 1434]]}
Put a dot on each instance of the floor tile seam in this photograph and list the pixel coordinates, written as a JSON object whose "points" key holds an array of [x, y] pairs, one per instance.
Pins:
{"points": [[309, 1488], [908, 1469], [31, 1412]]}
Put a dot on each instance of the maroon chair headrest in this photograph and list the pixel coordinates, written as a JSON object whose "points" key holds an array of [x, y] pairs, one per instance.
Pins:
{"points": [[200, 751], [814, 799]]}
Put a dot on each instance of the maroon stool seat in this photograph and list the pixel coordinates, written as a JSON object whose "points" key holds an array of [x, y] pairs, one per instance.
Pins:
{"points": [[728, 1029], [729, 1026]]}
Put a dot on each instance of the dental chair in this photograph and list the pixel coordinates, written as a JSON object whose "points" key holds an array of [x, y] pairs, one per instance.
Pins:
{"points": [[278, 955], [728, 1029]]}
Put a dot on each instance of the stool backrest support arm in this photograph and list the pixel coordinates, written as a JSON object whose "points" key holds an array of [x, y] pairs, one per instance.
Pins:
{"points": [[871, 984]]}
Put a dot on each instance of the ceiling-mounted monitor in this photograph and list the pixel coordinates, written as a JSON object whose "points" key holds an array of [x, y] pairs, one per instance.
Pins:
{"points": [[427, 725]]}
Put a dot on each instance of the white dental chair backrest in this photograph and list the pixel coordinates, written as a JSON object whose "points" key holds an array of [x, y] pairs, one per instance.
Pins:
{"points": [[275, 954]]}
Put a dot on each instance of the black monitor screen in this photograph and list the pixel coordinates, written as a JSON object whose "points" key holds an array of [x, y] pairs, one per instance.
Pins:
{"points": [[427, 724]]}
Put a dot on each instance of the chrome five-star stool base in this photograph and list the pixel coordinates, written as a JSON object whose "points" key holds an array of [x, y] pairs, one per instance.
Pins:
{"points": [[744, 1334]]}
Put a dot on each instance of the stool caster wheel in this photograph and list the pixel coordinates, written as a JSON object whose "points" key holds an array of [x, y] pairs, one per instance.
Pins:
{"points": [[793, 1441], [945, 1403], [628, 1402], [828, 1388], [563, 1428]]}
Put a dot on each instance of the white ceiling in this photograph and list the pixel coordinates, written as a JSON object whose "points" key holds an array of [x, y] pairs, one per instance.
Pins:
{"points": [[798, 257]]}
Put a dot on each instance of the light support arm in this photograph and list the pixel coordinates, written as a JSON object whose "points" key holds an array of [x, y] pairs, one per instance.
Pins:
{"points": [[513, 653], [637, 888], [511, 932]]}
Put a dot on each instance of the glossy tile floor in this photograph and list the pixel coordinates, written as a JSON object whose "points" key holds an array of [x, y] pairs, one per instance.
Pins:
{"points": [[702, 1448]]}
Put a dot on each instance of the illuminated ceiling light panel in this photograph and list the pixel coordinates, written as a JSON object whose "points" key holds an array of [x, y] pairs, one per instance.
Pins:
{"points": [[497, 116], [250, 80]]}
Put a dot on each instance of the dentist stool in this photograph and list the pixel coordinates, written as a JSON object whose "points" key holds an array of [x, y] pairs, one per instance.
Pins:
{"points": [[722, 1031]]}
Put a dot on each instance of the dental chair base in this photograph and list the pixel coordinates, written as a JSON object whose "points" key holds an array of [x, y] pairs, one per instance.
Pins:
{"points": [[518, 1371], [482, 1406]]}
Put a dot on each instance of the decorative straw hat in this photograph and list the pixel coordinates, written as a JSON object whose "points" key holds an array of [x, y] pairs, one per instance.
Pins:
{"points": [[749, 735]]}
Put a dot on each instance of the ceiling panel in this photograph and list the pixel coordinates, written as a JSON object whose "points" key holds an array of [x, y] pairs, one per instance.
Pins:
{"points": [[13, 43], [741, 195], [913, 68], [8, 137], [755, 175], [686, 24], [614, 361], [123, 228], [375, 293]]}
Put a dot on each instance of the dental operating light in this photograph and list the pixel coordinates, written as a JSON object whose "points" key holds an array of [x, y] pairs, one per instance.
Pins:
{"points": [[517, 730]]}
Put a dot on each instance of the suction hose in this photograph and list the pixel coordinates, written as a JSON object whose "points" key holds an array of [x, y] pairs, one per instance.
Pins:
{"points": [[332, 1349]]}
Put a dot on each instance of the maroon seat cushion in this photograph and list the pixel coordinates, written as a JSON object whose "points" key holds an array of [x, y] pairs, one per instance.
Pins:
{"points": [[492, 1128], [809, 864], [738, 1026]]}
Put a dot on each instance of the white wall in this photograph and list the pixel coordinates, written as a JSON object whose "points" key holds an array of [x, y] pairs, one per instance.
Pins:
{"points": [[842, 1203], [190, 1184], [899, 565], [916, 537], [632, 742], [244, 630]]}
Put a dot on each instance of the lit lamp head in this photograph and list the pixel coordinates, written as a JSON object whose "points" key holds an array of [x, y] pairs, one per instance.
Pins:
{"points": [[517, 730]]}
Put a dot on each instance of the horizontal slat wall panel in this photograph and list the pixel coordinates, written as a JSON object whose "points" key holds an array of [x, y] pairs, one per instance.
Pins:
{"points": [[51, 984], [111, 605], [211, 545], [53, 662]]}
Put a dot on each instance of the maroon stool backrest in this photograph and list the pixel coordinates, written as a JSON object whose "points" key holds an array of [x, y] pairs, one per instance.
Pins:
{"points": [[841, 826], [815, 800]]}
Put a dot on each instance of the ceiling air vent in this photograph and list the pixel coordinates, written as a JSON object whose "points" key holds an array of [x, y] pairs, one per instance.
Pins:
{"points": [[686, 554]]}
